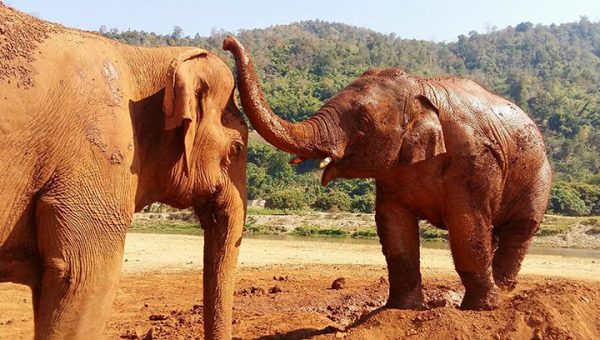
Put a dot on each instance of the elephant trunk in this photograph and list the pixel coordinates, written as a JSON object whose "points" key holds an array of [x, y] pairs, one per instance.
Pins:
{"points": [[223, 223], [302, 139]]}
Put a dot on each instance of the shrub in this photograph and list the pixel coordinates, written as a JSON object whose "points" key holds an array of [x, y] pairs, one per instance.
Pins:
{"points": [[594, 180], [333, 201], [289, 199], [363, 203], [316, 231], [431, 233], [365, 233], [565, 199], [590, 194], [306, 230]]}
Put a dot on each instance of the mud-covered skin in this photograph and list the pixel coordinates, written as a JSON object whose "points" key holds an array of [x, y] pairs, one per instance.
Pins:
{"points": [[441, 149], [91, 131]]}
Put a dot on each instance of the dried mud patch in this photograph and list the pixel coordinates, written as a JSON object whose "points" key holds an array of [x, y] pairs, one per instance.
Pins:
{"points": [[20, 35]]}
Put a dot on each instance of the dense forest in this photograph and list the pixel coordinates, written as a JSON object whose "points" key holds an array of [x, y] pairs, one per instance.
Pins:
{"points": [[552, 72]]}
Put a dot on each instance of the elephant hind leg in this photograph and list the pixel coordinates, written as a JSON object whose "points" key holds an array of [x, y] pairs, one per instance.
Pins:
{"points": [[513, 240]]}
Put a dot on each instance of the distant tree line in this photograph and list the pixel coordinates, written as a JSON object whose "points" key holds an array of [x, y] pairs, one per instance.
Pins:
{"points": [[552, 72]]}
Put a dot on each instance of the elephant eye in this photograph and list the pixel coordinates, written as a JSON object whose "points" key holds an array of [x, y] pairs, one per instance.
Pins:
{"points": [[364, 124], [236, 148]]}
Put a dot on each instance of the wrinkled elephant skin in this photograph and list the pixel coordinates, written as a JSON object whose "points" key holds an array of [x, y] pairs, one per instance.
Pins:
{"points": [[92, 130], [441, 149]]}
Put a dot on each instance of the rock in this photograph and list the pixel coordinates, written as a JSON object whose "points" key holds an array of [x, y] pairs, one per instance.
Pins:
{"points": [[275, 290], [252, 291], [158, 317], [338, 283]]}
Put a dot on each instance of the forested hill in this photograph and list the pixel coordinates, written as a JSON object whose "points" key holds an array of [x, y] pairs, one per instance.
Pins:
{"points": [[552, 72]]}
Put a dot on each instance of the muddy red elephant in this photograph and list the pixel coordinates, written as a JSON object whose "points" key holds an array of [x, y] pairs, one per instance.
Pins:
{"points": [[92, 130], [440, 149]]}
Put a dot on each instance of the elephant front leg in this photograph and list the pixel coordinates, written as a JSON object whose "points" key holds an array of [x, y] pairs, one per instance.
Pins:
{"points": [[82, 254], [222, 219], [398, 232], [471, 244]]}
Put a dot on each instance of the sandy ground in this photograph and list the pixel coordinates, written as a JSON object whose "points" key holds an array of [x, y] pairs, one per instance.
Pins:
{"points": [[152, 252], [558, 297]]}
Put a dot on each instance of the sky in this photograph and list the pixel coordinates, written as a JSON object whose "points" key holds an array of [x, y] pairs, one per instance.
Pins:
{"points": [[436, 20]]}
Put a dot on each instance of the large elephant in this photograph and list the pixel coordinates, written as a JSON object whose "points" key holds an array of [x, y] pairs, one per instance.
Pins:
{"points": [[92, 130], [441, 149]]}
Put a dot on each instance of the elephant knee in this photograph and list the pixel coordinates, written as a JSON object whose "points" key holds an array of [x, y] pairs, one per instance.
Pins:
{"points": [[59, 270]]}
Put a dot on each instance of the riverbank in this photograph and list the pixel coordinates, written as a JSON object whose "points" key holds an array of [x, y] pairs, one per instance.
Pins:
{"points": [[555, 232]]}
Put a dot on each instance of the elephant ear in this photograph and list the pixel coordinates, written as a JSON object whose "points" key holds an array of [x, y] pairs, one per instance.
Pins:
{"points": [[423, 138], [180, 103]]}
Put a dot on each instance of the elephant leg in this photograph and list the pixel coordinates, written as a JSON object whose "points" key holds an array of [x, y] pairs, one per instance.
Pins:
{"points": [[514, 238], [398, 232], [222, 219], [471, 244], [81, 251]]}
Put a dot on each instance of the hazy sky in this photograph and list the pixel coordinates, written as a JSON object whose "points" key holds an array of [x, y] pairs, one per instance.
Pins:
{"points": [[422, 19]]}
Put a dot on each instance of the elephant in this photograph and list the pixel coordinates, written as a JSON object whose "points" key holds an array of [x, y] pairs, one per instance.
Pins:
{"points": [[443, 150], [93, 130]]}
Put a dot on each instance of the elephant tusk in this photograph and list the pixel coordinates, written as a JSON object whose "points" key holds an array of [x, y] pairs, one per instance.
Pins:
{"points": [[325, 162]]}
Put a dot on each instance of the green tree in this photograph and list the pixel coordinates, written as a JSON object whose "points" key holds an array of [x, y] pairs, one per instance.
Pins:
{"points": [[363, 203], [333, 201], [565, 200], [287, 199]]}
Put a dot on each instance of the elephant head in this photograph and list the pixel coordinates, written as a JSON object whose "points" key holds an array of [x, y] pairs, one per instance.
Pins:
{"points": [[199, 100], [386, 111], [200, 114]]}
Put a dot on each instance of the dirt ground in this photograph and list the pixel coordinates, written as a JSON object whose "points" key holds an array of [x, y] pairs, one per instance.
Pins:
{"points": [[283, 291]]}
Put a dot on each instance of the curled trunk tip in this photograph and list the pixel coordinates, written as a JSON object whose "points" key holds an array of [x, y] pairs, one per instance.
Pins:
{"points": [[230, 42]]}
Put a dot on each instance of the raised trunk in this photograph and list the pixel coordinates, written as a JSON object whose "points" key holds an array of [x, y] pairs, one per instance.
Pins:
{"points": [[297, 138]]}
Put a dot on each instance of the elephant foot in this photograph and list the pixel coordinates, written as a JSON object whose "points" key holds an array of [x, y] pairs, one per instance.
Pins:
{"points": [[413, 300], [504, 283], [482, 300], [480, 291]]}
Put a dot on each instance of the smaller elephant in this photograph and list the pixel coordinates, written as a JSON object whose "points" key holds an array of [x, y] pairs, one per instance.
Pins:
{"points": [[440, 149]]}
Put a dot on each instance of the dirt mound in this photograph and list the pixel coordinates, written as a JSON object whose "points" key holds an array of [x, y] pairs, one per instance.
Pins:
{"points": [[306, 306], [552, 309]]}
